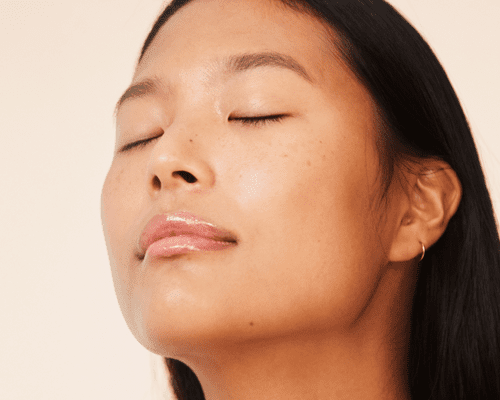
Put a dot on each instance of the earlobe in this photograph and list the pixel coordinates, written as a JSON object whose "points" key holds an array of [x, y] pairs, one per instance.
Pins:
{"points": [[433, 198]]}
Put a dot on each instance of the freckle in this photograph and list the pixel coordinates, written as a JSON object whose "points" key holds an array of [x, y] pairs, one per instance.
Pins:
{"points": [[251, 323], [308, 163], [285, 155], [191, 140], [321, 142]]}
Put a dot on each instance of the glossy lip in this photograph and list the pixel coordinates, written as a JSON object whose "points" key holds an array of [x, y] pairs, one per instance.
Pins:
{"points": [[182, 232]]}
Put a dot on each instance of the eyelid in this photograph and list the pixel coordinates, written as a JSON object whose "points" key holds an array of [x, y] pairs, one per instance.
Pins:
{"points": [[251, 120], [137, 144], [258, 119]]}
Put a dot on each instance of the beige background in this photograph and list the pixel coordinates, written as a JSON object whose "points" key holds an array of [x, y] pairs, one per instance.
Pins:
{"points": [[63, 65]]}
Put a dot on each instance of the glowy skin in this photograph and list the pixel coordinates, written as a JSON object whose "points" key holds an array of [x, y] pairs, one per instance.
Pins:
{"points": [[311, 264]]}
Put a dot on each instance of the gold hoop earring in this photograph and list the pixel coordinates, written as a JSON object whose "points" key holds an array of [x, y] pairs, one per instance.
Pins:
{"points": [[423, 252]]}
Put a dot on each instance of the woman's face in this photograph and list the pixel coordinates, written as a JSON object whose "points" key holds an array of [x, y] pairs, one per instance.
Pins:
{"points": [[297, 191]]}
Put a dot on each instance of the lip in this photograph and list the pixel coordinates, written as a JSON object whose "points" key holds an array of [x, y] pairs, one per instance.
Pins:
{"points": [[166, 235]]}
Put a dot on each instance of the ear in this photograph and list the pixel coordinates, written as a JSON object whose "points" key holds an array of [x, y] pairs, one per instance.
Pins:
{"points": [[432, 198]]}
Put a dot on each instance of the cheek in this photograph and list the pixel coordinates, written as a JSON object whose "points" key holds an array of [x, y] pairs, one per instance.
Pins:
{"points": [[112, 203], [330, 177], [120, 207], [121, 201], [310, 230]]}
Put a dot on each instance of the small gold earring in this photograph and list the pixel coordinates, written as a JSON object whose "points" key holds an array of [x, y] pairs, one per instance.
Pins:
{"points": [[423, 252]]}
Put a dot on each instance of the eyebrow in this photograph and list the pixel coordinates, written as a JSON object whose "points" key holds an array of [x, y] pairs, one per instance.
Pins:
{"points": [[234, 64], [143, 88], [245, 62]]}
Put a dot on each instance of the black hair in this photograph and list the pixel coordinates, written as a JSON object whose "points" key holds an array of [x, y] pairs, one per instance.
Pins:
{"points": [[454, 349]]}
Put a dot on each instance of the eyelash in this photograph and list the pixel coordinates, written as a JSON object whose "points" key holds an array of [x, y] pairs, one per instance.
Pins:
{"points": [[249, 121], [137, 145], [260, 120]]}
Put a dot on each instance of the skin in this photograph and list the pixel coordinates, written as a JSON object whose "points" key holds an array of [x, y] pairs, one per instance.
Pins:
{"points": [[314, 300]]}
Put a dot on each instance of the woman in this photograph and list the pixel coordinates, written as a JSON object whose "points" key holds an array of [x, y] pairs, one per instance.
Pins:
{"points": [[296, 209]]}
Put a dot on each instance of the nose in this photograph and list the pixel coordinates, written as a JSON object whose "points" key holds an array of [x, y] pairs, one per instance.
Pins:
{"points": [[178, 161]]}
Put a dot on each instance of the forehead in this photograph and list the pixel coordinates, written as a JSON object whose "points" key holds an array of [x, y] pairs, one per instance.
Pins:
{"points": [[190, 48], [213, 30]]}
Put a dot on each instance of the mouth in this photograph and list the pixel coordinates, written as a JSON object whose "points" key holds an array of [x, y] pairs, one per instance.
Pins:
{"points": [[167, 235]]}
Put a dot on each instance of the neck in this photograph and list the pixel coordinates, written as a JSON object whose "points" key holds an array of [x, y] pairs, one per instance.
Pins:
{"points": [[365, 361], [299, 369], [315, 367]]}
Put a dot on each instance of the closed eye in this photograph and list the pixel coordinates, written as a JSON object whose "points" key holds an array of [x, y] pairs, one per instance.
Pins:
{"points": [[258, 120], [138, 144], [249, 121]]}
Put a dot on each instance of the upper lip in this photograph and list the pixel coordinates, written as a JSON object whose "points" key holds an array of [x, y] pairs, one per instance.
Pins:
{"points": [[180, 223]]}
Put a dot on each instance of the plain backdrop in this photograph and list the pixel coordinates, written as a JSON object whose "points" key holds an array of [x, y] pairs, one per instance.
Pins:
{"points": [[63, 65]]}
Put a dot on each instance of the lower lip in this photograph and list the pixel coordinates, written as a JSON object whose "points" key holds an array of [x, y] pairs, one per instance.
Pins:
{"points": [[182, 244]]}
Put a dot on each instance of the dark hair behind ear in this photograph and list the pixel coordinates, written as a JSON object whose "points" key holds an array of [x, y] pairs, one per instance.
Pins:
{"points": [[455, 335]]}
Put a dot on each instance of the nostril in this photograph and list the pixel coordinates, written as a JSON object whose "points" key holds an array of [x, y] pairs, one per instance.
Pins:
{"points": [[188, 177], [156, 183]]}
